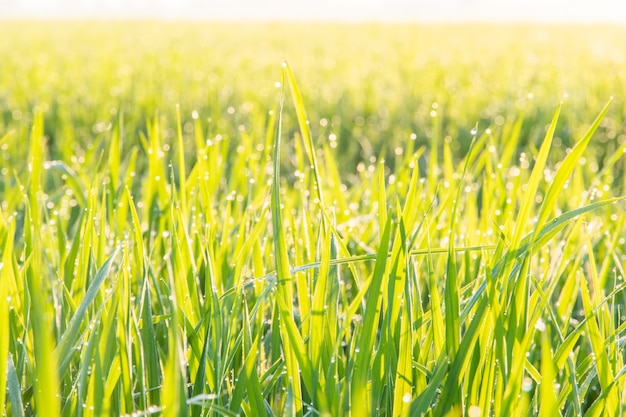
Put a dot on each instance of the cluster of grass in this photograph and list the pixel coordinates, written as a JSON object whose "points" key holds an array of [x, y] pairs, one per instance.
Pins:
{"points": [[223, 259]]}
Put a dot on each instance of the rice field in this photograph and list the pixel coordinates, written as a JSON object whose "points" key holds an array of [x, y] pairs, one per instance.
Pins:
{"points": [[202, 219]]}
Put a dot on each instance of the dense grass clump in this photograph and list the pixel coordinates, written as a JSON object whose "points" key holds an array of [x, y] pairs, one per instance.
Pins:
{"points": [[416, 228]]}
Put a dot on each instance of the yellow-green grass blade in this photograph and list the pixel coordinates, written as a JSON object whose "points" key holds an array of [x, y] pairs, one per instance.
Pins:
{"points": [[101, 234], [64, 349], [565, 170], [106, 372], [452, 389], [79, 404], [487, 388], [115, 154], [255, 397], [512, 135], [451, 290], [604, 274], [280, 247], [138, 247], [84, 251], [398, 291], [124, 337], [35, 165], [602, 364], [284, 294], [174, 391], [318, 308], [201, 375], [182, 174], [517, 311], [404, 373], [433, 159], [536, 175], [121, 211], [6, 276], [150, 348], [360, 402], [603, 319], [183, 267], [303, 122], [409, 212], [424, 401], [414, 253], [302, 280], [382, 197], [289, 330], [14, 389], [480, 366], [46, 377], [248, 379], [438, 325], [548, 406]]}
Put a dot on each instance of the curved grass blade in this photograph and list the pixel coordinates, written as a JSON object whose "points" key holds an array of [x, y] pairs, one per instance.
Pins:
{"points": [[565, 170], [68, 340], [303, 122], [14, 389]]}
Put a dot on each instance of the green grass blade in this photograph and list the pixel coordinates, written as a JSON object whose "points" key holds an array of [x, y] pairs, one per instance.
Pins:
{"points": [[451, 292], [359, 397], [285, 284], [71, 334], [404, 373], [6, 276], [548, 406], [566, 168], [150, 347], [424, 400], [115, 154], [452, 388], [603, 367], [46, 367], [248, 379], [536, 175], [316, 337], [182, 175], [14, 389], [303, 122]]}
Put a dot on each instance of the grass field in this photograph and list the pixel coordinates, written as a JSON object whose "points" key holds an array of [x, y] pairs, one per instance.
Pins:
{"points": [[402, 220]]}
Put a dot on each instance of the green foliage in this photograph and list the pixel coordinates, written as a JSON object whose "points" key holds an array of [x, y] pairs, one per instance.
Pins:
{"points": [[171, 246]]}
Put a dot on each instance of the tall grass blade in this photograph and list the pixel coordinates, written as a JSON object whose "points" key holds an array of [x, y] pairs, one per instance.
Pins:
{"points": [[360, 402], [71, 334], [284, 278]]}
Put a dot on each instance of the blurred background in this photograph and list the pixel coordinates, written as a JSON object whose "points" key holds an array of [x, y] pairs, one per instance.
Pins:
{"points": [[610, 11], [369, 86]]}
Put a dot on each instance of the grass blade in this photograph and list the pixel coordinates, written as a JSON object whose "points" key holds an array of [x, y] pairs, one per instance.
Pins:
{"points": [[359, 396], [71, 334]]}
